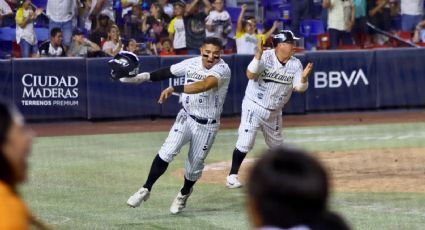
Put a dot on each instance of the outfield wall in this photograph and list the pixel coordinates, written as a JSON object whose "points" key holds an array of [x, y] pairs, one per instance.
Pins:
{"points": [[68, 88]]}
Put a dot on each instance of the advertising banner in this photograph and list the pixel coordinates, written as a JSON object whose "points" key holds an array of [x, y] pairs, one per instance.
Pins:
{"points": [[342, 80], [50, 88]]}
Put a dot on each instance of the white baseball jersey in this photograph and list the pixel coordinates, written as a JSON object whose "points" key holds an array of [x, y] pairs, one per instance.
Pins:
{"points": [[275, 82], [264, 100], [208, 104]]}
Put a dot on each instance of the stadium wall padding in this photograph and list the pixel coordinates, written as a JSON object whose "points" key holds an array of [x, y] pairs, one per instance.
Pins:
{"points": [[65, 88], [401, 78], [6, 83], [112, 99]]}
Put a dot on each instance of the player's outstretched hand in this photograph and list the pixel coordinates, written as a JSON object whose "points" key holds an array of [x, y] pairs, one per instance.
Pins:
{"points": [[139, 78], [307, 70], [165, 94]]}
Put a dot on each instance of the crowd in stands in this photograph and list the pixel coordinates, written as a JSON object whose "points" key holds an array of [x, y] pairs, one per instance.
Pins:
{"points": [[92, 28]]}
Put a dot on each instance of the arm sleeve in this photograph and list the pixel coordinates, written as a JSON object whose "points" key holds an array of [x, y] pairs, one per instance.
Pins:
{"points": [[19, 18], [171, 26], [161, 74]]}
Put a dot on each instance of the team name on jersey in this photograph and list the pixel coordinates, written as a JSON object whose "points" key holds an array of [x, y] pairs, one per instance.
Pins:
{"points": [[276, 77], [191, 75]]}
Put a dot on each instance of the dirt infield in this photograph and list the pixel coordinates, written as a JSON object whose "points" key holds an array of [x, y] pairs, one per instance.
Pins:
{"points": [[146, 125], [388, 170]]}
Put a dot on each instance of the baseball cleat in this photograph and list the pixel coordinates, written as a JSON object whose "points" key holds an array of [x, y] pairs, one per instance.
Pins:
{"points": [[179, 202], [232, 181], [137, 198]]}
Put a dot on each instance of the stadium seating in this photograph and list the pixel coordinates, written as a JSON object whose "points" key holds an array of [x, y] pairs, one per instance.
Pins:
{"points": [[310, 29]]}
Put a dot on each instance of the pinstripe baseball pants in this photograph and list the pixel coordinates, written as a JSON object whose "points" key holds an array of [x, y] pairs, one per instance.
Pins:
{"points": [[255, 117], [201, 138]]}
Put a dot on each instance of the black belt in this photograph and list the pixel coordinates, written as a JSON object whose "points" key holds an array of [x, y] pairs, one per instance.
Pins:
{"points": [[201, 121]]}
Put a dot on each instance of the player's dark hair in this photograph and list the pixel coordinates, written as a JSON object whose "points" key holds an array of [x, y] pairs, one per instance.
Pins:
{"points": [[6, 118], [289, 188], [55, 31], [213, 41]]}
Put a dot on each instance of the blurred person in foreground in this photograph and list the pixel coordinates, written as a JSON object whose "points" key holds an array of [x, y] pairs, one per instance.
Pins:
{"points": [[15, 146], [81, 46], [288, 189]]}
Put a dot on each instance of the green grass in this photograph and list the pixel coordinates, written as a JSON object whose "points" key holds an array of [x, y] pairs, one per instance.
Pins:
{"points": [[82, 182]]}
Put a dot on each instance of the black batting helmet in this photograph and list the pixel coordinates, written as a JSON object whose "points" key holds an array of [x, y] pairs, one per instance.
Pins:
{"points": [[124, 64], [283, 36]]}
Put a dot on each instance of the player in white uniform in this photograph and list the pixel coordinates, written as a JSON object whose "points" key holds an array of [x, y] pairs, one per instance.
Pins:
{"points": [[207, 79], [273, 76]]}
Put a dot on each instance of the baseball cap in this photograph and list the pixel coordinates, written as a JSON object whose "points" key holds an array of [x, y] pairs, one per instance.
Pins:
{"points": [[284, 36], [77, 32]]}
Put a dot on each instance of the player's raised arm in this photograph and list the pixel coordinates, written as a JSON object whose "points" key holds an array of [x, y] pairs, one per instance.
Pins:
{"points": [[254, 66], [194, 88]]}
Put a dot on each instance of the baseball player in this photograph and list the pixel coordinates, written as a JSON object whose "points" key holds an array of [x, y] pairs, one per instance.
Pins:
{"points": [[207, 79], [273, 76]]}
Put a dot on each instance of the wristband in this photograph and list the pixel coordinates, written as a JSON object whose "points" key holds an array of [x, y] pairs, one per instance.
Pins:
{"points": [[178, 88], [254, 65]]}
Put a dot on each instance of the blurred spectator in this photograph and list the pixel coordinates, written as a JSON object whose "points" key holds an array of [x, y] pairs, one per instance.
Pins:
{"points": [[176, 30], [127, 6], [81, 46], [54, 47], [288, 189], [419, 35], [246, 34], [194, 24], [100, 34], [166, 7], [167, 48], [25, 33], [84, 20], [102, 7], [133, 47], [133, 23], [341, 17], [60, 14], [6, 14], [359, 30], [154, 26], [15, 146], [300, 9], [114, 44], [411, 14], [218, 22], [379, 15]]}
